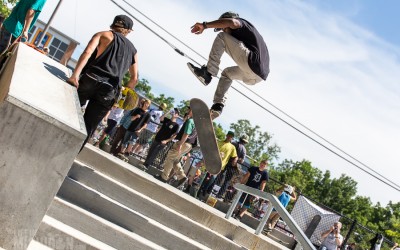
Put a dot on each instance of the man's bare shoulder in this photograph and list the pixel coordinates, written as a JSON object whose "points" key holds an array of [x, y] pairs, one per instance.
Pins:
{"points": [[105, 34]]}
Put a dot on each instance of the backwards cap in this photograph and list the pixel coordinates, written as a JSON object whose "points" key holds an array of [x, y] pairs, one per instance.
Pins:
{"points": [[123, 21]]}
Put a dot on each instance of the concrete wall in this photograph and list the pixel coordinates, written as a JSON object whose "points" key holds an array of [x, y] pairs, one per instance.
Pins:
{"points": [[41, 131]]}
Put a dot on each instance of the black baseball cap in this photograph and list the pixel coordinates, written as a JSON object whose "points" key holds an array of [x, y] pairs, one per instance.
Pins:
{"points": [[123, 21]]}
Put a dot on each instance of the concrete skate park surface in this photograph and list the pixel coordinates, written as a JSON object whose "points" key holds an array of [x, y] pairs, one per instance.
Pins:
{"points": [[41, 133], [133, 178]]}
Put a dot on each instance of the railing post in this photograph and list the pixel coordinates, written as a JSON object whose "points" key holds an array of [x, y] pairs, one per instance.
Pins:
{"points": [[351, 229], [233, 205], [264, 219]]}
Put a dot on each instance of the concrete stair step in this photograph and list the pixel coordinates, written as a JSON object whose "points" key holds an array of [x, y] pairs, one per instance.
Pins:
{"points": [[149, 207], [57, 235], [97, 227], [175, 200], [35, 245], [118, 214]]}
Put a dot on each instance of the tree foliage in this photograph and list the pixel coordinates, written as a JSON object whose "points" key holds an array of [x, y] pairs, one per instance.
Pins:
{"points": [[183, 107], [260, 145], [144, 88], [339, 194], [219, 132], [163, 99], [6, 7]]}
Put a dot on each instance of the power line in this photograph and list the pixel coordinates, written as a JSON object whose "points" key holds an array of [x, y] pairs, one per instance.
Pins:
{"points": [[385, 181]]}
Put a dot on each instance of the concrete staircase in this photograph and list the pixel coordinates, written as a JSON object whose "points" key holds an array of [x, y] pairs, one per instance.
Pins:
{"points": [[105, 203]]}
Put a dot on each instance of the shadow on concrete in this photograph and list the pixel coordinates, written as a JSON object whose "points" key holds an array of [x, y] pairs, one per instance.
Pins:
{"points": [[56, 71]]}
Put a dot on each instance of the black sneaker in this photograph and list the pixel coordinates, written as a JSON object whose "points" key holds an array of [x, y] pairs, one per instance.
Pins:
{"points": [[201, 73], [216, 110], [158, 177], [237, 217], [180, 182]]}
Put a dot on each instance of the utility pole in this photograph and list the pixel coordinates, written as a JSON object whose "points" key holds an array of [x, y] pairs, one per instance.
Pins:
{"points": [[46, 28]]}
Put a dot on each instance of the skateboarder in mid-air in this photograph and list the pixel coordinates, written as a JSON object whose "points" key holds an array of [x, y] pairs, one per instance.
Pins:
{"points": [[244, 44]]}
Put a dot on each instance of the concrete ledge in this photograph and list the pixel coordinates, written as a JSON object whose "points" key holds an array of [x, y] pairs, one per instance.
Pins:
{"points": [[174, 199], [41, 132]]}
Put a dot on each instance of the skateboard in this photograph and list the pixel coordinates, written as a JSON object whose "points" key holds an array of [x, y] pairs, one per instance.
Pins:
{"points": [[206, 136], [129, 100], [313, 225], [8, 52]]}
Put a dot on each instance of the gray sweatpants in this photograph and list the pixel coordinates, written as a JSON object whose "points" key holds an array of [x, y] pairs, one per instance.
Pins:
{"points": [[224, 42]]}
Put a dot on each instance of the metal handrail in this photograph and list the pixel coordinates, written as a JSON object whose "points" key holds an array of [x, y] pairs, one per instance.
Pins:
{"points": [[296, 230]]}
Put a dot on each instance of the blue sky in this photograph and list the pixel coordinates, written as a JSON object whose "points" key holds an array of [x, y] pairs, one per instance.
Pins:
{"points": [[379, 17], [334, 67]]}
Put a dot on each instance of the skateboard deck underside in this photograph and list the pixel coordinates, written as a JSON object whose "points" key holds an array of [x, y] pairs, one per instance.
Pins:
{"points": [[206, 136]]}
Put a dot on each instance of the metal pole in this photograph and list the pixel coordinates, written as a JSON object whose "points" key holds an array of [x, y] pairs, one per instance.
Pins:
{"points": [[234, 203], [263, 221], [46, 28], [351, 229]]}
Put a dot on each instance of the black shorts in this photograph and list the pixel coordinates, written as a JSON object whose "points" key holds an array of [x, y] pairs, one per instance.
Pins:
{"points": [[246, 202], [110, 126]]}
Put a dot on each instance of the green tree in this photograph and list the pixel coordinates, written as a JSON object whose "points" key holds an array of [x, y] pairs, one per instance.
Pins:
{"points": [[260, 145], [4, 7], [163, 99], [144, 88], [183, 107], [219, 132]]}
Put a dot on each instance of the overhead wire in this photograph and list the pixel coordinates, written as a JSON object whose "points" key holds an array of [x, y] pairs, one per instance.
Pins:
{"points": [[385, 181]]}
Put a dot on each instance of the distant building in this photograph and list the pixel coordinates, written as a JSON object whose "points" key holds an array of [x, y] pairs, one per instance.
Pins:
{"points": [[61, 47]]}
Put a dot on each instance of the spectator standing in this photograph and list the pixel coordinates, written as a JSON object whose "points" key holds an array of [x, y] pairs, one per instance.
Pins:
{"points": [[228, 156], [151, 129], [256, 177], [285, 195], [168, 131], [21, 20], [187, 138], [112, 118], [332, 239], [100, 69], [122, 136], [376, 242], [232, 168]]}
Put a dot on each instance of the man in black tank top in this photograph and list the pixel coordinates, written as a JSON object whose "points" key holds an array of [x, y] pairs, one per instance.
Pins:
{"points": [[100, 69]]}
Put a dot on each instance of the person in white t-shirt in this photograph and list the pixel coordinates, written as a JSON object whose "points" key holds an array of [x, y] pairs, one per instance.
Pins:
{"points": [[112, 118], [151, 129], [332, 237]]}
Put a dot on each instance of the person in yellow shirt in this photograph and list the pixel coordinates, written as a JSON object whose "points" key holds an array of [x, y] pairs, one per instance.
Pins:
{"points": [[228, 155]]}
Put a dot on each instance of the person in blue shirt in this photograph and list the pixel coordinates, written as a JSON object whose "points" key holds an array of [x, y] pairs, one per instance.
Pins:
{"points": [[286, 194], [21, 20]]}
